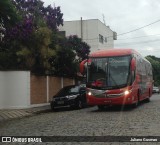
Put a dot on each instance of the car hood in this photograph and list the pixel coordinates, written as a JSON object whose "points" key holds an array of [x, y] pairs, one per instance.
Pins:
{"points": [[59, 96]]}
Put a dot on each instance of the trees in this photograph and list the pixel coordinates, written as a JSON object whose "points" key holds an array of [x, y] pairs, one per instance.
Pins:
{"points": [[27, 41], [156, 68], [70, 52], [34, 55], [41, 15], [82, 49], [33, 41], [8, 15], [8, 18]]}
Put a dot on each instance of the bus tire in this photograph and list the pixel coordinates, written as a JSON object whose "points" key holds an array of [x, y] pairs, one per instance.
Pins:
{"points": [[135, 105], [149, 95], [100, 107]]}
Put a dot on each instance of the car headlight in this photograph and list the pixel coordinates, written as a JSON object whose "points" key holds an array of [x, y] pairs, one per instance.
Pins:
{"points": [[72, 97]]}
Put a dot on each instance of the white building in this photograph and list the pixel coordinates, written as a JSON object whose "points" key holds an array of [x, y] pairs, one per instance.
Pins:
{"points": [[93, 32]]}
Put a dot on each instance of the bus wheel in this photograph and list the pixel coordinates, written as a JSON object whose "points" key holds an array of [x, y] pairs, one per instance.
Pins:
{"points": [[100, 107], [148, 99], [135, 105]]}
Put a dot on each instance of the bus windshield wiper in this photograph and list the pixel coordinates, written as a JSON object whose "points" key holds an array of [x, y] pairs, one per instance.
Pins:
{"points": [[116, 86]]}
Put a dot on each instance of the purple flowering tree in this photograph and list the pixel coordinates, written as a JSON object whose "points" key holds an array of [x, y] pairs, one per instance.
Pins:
{"points": [[27, 41], [81, 48]]}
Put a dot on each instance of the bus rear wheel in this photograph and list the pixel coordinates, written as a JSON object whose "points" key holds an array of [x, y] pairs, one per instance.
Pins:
{"points": [[149, 95]]}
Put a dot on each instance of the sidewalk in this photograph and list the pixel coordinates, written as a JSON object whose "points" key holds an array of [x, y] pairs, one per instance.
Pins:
{"points": [[8, 114]]}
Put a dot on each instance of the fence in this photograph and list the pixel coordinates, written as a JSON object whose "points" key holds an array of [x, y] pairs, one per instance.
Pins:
{"points": [[44, 87]]}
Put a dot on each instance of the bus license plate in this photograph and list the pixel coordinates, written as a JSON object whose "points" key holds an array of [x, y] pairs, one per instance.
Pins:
{"points": [[108, 101], [60, 102]]}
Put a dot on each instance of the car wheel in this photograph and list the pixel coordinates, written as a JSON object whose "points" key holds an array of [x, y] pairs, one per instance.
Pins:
{"points": [[79, 104], [52, 107]]}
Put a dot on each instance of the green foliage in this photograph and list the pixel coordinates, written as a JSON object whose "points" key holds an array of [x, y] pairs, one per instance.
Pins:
{"points": [[8, 13], [156, 68], [35, 53], [26, 43], [33, 42], [69, 53], [63, 62], [81, 48]]}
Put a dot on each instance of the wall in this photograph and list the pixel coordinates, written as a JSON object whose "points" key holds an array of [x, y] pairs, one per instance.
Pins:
{"points": [[19, 89], [54, 86], [90, 30], [2, 89], [38, 89], [14, 89], [107, 33], [43, 88]]}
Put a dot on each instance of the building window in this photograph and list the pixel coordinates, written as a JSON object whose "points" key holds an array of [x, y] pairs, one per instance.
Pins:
{"points": [[101, 38], [62, 33], [105, 39]]}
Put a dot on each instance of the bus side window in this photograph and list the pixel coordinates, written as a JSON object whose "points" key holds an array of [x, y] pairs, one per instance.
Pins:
{"points": [[133, 72]]}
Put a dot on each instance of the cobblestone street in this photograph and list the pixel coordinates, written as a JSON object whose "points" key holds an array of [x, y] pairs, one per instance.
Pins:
{"points": [[141, 121]]}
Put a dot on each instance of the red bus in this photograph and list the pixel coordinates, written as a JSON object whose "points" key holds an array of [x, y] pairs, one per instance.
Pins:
{"points": [[117, 77]]}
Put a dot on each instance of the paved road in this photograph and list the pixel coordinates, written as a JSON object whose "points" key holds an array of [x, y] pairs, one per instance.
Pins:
{"points": [[141, 121]]}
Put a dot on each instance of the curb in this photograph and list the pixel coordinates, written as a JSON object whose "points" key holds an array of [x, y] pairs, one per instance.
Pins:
{"points": [[8, 114]]}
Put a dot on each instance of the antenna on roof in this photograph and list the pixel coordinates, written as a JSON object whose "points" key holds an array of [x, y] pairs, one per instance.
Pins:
{"points": [[104, 19]]}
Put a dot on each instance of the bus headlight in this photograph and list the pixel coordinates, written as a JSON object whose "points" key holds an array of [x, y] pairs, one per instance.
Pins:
{"points": [[89, 93], [126, 92]]}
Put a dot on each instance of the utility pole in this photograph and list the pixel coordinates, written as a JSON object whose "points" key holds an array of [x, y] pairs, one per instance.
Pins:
{"points": [[81, 29]]}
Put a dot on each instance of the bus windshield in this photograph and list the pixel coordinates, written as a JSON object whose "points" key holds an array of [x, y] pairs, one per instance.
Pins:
{"points": [[109, 72]]}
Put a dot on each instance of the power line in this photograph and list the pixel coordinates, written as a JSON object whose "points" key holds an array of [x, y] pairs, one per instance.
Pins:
{"points": [[92, 39], [136, 28], [135, 43], [139, 28], [130, 31], [138, 37]]}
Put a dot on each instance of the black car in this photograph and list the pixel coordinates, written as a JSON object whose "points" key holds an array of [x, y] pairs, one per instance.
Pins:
{"points": [[73, 96]]}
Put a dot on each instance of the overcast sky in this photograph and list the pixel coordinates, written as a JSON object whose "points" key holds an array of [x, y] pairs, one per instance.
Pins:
{"points": [[122, 16]]}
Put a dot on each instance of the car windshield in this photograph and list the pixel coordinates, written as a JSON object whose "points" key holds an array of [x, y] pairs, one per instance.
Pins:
{"points": [[110, 72], [68, 90]]}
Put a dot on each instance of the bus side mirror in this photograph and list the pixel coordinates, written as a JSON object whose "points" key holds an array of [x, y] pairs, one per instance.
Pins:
{"points": [[133, 64]]}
